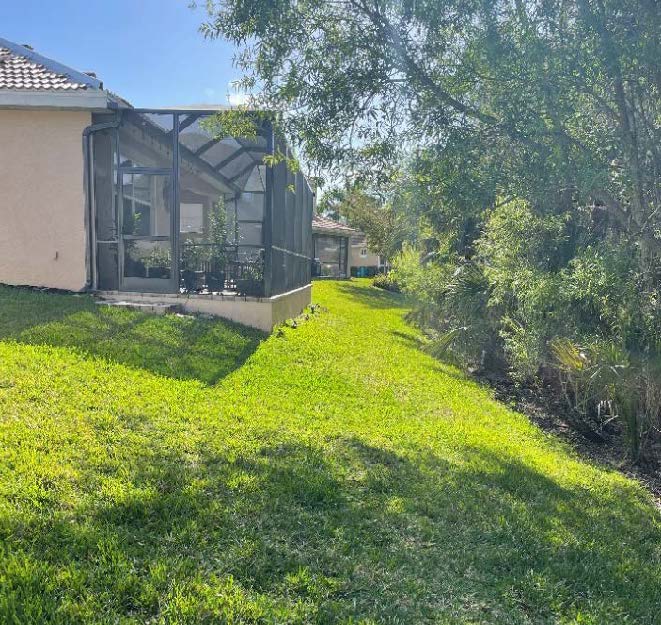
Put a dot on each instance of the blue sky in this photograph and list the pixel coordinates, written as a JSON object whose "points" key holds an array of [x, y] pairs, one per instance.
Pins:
{"points": [[148, 51]]}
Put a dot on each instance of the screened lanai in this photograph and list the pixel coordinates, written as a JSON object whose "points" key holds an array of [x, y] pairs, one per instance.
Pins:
{"points": [[179, 207]]}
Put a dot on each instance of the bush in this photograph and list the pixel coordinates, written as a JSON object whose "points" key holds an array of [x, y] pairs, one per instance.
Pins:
{"points": [[541, 297], [386, 281], [452, 298]]}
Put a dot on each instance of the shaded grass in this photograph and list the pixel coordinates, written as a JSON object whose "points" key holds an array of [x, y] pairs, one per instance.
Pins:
{"points": [[178, 346], [338, 476]]}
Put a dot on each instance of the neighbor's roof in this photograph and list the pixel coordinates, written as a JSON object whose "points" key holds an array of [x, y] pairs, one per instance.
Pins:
{"points": [[323, 224], [21, 68]]}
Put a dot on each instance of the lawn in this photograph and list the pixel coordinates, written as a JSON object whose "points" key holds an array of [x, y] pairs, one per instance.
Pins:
{"points": [[184, 470]]}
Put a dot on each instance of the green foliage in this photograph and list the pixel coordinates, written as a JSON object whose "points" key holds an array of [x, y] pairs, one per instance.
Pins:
{"points": [[329, 203], [416, 278], [589, 375], [218, 235], [550, 303], [600, 287], [450, 304], [520, 252], [386, 228], [386, 281], [233, 123], [178, 470], [604, 378], [555, 102], [193, 255], [158, 257]]}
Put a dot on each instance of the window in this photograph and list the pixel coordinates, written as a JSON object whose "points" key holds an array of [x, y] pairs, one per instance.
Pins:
{"points": [[192, 218], [331, 253], [146, 199], [363, 252]]}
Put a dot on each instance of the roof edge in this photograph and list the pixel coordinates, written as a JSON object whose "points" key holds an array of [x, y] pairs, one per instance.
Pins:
{"points": [[325, 224], [334, 231], [51, 64], [29, 99]]}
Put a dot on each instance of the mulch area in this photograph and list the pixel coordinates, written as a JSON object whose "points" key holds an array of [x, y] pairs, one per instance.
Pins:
{"points": [[600, 443]]}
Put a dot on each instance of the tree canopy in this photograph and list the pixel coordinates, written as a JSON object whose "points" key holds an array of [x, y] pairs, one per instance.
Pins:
{"points": [[521, 139], [556, 101]]}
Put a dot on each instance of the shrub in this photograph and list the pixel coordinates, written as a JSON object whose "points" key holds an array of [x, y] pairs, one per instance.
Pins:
{"points": [[386, 281], [543, 297], [451, 301]]}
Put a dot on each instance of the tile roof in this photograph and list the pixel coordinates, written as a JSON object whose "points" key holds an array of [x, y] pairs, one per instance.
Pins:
{"points": [[323, 224], [359, 239], [27, 74]]}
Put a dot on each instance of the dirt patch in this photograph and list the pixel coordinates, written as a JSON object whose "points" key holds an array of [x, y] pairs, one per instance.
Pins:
{"points": [[600, 442]]}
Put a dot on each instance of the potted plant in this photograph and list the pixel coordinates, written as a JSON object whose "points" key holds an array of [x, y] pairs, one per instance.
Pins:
{"points": [[215, 274], [251, 280], [191, 258], [157, 263]]}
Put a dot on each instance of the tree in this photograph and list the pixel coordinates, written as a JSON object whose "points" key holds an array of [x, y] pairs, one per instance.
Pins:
{"points": [[555, 101], [329, 203], [524, 133], [385, 227]]}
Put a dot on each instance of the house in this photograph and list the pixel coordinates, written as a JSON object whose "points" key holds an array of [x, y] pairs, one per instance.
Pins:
{"points": [[363, 262], [341, 251], [145, 205], [331, 247]]}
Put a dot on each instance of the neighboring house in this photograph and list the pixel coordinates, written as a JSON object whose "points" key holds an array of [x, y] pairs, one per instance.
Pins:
{"points": [[341, 251], [362, 260], [144, 205], [331, 247]]}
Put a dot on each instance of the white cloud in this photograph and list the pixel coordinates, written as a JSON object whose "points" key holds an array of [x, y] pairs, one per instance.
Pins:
{"points": [[237, 99]]}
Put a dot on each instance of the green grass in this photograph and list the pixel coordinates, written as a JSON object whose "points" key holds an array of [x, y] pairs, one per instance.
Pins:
{"points": [[177, 470]]}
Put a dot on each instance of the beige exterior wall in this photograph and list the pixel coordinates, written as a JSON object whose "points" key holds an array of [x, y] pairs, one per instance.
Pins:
{"points": [[356, 260], [42, 199]]}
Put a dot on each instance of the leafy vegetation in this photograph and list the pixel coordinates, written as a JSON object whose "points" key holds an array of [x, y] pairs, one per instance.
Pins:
{"points": [[336, 475], [386, 229], [385, 281], [535, 299], [521, 139]]}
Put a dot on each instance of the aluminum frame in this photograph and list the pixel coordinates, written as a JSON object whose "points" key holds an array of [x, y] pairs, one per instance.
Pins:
{"points": [[274, 204]]}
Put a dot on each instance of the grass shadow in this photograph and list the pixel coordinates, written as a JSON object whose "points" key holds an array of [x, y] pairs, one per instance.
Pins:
{"points": [[410, 339], [177, 346], [353, 531], [372, 297]]}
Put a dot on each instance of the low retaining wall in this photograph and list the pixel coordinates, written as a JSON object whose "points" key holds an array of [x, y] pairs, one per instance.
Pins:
{"points": [[257, 312]]}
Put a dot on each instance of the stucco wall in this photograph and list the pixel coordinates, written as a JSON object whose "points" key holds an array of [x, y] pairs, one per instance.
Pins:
{"points": [[42, 200], [356, 260], [291, 304]]}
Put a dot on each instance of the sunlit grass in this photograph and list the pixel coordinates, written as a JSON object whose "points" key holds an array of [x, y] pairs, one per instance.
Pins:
{"points": [[176, 470]]}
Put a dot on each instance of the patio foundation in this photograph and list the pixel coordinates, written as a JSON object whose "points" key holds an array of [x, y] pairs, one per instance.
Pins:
{"points": [[262, 313]]}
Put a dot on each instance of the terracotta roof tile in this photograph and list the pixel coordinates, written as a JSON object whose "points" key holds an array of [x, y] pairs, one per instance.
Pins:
{"points": [[321, 224], [19, 72]]}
